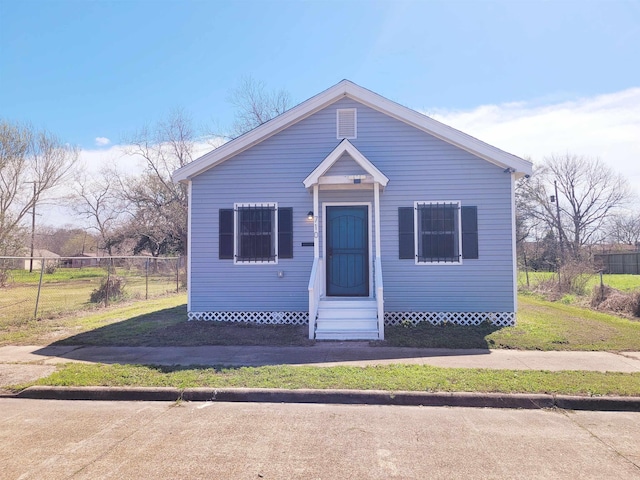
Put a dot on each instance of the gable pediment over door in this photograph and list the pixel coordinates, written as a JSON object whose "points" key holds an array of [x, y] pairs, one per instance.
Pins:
{"points": [[335, 168], [346, 165]]}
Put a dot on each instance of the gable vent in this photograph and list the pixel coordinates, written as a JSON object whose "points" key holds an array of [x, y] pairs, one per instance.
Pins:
{"points": [[347, 123]]}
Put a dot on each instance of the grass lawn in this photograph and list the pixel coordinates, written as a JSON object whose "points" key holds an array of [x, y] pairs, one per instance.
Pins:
{"points": [[541, 325], [68, 290], [134, 318], [625, 283], [387, 377]]}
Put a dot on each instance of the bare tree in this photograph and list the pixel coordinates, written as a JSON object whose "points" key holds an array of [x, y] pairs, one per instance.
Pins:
{"points": [[588, 194], [98, 199], [255, 105], [157, 206], [625, 228], [67, 240], [32, 164]]}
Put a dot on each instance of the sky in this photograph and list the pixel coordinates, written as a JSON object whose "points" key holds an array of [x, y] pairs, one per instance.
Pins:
{"points": [[534, 78]]}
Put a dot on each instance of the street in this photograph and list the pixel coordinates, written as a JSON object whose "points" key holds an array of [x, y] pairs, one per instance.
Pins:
{"points": [[74, 439]]}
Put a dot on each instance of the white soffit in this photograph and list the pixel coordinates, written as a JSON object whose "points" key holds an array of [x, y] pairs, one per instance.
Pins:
{"points": [[348, 89]]}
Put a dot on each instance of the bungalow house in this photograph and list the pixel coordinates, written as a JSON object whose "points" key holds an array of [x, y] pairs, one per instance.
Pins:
{"points": [[40, 255], [84, 260], [352, 212]]}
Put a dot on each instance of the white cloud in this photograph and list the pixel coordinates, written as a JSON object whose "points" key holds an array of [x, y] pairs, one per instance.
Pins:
{"points": [[604, 126], [116, 156], [102, 141]]}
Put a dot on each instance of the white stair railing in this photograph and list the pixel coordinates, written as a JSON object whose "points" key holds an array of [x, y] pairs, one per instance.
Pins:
{"points": [[316, 290], [379, 297]]}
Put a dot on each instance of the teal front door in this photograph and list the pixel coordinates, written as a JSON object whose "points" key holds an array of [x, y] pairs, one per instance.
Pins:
{"points": [[347, 251]]}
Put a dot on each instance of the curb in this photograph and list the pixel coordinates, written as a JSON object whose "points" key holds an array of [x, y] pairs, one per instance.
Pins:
{"points": [[346, 397]]}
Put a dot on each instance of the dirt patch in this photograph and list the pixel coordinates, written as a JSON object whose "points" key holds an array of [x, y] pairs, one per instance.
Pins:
{"points": [[228, 333], [170, 329], [19, 373]]}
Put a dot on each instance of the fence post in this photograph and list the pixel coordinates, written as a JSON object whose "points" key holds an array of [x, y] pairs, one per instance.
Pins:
{"points": [[106, 297], [35, 312], [146, 279], [178, 275]]}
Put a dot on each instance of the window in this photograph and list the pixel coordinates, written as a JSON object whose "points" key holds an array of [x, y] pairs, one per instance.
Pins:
{"points": [[346, 123], [256, 240], [255, 233], [438, 232]]}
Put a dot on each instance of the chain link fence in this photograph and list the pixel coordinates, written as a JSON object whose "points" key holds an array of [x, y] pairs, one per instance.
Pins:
{"points": [[45, 287]]}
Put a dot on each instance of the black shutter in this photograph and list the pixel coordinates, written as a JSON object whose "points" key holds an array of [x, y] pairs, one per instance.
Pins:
{"points": [[225, 234], [285, 232], [469, 232], [405, 232]]}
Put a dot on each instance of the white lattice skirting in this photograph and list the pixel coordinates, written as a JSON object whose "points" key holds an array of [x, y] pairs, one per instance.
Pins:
{"points": [[501, 319], [280, 318]]}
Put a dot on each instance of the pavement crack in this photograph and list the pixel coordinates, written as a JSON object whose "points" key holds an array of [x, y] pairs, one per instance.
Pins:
{"points": [[625, 355], [567, 414], [116, 444]]}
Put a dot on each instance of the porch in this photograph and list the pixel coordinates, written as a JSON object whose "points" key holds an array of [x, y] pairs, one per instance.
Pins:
{"points": [[346, 290]]}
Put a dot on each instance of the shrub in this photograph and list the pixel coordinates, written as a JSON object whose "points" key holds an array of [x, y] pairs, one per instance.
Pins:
{"points": [[50, 269], [568, 299], [114, 288], [599, 294], [573, 279], [612, 300], [635, 304]]}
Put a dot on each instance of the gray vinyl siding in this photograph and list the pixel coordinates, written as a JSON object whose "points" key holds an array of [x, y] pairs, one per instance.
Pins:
{"points": [[419, 166], [345, 165]]}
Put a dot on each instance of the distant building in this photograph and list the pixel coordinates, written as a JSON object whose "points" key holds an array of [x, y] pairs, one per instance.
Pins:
{"points": [[82, 260], [40, 255]]}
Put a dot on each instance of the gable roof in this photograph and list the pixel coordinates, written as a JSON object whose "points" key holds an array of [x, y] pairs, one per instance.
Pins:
{"points": [[345, 146], [348, 89], [41, 252]]}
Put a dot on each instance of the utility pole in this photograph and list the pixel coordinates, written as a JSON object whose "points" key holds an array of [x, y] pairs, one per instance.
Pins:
{"points": [[555, 185], [33, 225]]}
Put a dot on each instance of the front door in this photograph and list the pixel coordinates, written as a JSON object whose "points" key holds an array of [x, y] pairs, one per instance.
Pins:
{"points": [[347, 251]]}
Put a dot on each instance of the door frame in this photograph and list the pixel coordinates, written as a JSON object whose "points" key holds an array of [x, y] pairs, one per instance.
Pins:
{"points": [[369, 243]]}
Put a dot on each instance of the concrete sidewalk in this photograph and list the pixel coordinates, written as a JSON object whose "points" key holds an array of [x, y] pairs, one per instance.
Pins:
{"points": [[324, 355]]}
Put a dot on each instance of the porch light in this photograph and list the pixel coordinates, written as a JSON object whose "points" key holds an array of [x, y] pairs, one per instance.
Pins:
{"points": [[310, 215]]}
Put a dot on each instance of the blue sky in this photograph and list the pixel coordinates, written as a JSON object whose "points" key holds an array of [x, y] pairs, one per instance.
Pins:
{"points": [[89, 69]]}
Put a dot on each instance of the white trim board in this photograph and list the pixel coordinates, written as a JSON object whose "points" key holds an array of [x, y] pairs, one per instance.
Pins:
{"points": [[347, 89], [189, 236]]}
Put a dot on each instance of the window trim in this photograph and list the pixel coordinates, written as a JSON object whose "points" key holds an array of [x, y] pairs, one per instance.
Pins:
{"points": [[236, 237], [355, 123], [416, 232]]}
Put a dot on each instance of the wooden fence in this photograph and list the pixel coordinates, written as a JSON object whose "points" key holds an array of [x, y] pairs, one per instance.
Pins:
{"points": [[628, 263]]}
